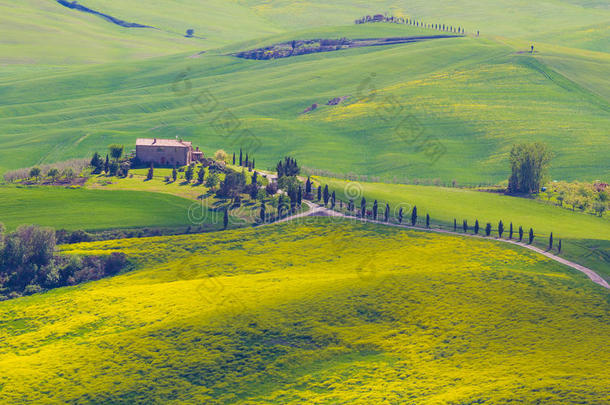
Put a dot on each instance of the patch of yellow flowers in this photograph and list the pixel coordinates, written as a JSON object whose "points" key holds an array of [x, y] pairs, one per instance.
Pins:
{"points": [[320, 312]]}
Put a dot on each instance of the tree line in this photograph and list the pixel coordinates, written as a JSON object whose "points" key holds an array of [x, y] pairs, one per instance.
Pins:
{"points": [[409, 21]]}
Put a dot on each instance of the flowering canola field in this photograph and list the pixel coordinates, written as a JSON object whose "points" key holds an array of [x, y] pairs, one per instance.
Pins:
{"points": [[317, 312]]}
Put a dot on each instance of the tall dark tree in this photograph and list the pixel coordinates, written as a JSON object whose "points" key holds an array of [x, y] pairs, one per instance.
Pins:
{"points": [[174, 174], [107, 165], [225, 219], [254, 178], [201, 175], [559, 247], [326, 195], [427, 220], [246, 162], [300, 196], [319, 193], [500, 228], [454, 225], [308, 186], [375, 208], [531, 236], [363, 207], [386, 216], [280, 206], [97, 163], [476, 227], [233, 158], [551, 241], [188, 174], [253, 191], [510, 231], [333, 200], [262, 212], [414, 216], [520, 234], [400, 215], [241, 157], [465, 226], [151, 172], [253, 164], [488, 229]]}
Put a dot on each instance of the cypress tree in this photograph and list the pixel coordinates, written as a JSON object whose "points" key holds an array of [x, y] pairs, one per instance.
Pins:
{"points": [[363, 207], [414, 216], [488, 229], [427, 220], [465, 226], [233, 158], [255, 177], [531, 236], [280, 205], [551, 241], [510, 231], [300, 196], [262, 212], [387, 213], [476, 227], [240, 157], [559, 247], [107, 165], [400, 215], [201, 175], [308, 186], [520, 234], [246, 161], [454, 225], [319, 193], [333, 200], [174, 174], [500, 228], [151, 172], [375, 210], [326, 195], [225, 219]]}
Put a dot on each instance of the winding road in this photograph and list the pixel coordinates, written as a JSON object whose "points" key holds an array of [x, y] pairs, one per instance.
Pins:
{"points": [[317, 210]]}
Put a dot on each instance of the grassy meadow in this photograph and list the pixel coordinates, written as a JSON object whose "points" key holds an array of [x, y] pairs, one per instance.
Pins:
{"points": [[585, 238], [473, 96], [73, 209], [217, 318]]}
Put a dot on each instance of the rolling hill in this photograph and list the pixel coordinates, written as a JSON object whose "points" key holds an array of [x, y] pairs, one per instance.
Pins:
{"points": [[218, 319], [471, 97]]}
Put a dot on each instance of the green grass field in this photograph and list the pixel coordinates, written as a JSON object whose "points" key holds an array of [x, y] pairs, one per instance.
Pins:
{"points": [[73, 209], [473, 96], [585, 238], [216, 318]]}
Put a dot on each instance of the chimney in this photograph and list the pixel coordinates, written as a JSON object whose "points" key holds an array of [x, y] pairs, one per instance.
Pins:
{"points": [[154, 141]]}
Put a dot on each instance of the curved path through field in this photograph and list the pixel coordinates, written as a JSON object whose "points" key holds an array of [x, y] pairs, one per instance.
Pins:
{"points": [[317, 210]]}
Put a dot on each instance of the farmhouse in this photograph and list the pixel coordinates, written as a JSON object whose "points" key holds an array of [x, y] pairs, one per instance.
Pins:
{"points": [[167, 152]]}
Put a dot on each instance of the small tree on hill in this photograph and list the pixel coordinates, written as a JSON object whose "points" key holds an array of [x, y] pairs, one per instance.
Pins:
{"points": [[308, 186], [375, 207], [529, 163], [414, 216], [386, 216], [500, 228], [35, 173], [233, 158], [427, 220], [107, 165], [363, 207], [201, 175], [319, 193], [454, 225], [241, 156], [465, 226], [97, 163], [400, 215], [151, 172], [531, 236], [188, 174], [211, 181], [559, 247], [53, 173], [551, 241], [174, 173], [520, 234], [488, 229], [262, 212], [333, 200], [225, 219], [326, 195], [510, 231], [116, 151]]}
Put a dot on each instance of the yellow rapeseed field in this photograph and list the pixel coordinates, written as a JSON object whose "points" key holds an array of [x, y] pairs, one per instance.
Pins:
{"points": [[318, 312]]}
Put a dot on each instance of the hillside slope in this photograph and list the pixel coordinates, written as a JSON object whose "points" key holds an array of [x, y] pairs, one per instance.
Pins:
{"points": [[332, 316], [469, 99]]}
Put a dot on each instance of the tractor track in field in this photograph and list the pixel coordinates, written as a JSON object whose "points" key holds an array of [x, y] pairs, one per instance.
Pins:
{"points": [[317, 210]]}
